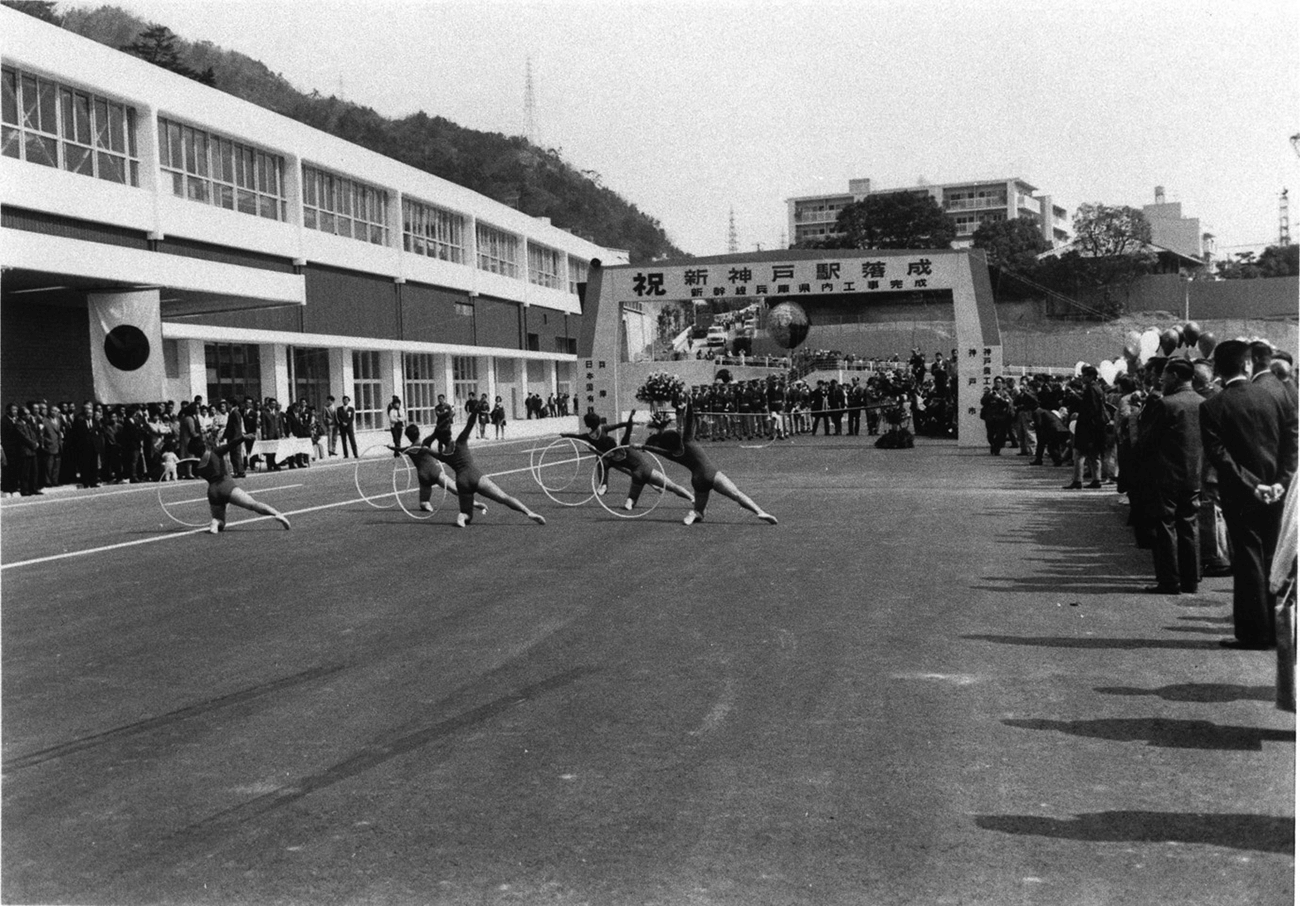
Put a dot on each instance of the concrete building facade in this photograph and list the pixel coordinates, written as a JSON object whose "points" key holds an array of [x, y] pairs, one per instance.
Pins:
{"points": [[285, 262], [968, 203]]}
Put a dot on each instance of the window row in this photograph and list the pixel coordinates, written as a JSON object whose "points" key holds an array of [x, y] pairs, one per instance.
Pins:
{"points": [[52, 125]]}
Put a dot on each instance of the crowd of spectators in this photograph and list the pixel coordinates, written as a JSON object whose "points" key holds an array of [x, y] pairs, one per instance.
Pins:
{"points": [[553, 406], [896, 401], [1204, 451], [47, 444]]}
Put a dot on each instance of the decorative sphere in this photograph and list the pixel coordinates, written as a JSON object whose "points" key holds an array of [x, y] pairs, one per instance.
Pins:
{"points": [[787, 324]]}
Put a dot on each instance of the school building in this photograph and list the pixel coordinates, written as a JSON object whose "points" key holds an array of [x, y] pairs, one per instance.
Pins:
{"points": [[283, 261]]}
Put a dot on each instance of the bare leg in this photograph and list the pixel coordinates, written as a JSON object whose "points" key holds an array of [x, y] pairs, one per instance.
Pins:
{"points": [[727, 488], [488, 488], [660, 480], [241, 498]]}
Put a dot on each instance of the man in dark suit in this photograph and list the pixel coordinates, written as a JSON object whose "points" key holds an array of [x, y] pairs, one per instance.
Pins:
{"points": [[234, 436], [838, 401], [346, 416], [818, 406], [1261, 372], [1169, 445], [1249, 435], [1089, 430]]}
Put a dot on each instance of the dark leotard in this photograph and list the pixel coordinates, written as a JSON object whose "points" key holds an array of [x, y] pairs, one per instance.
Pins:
{"points": [[212, 468], [462, 463], [685, 450]]}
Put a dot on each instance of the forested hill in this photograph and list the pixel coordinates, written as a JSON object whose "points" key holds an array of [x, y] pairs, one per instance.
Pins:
{"points": [[506, 168]]}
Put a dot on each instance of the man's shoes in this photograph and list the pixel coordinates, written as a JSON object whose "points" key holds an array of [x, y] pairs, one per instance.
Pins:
{"points": [[1239, 645], [1216, 571], [1074, 486], [1188, 589], [1160, 590], [1035, 462], [1094, 485]]}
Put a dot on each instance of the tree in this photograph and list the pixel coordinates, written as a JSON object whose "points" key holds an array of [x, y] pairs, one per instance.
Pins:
{"points": [[38, 9], [1112, 248], [157, 45], [1274, 261], [1011, 245], [893, 220]]}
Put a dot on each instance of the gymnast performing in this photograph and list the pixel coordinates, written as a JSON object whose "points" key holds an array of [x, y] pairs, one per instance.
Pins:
{"points": [[427, 471], [469, 480], [623, 457], [683, 449], [222, 489]]}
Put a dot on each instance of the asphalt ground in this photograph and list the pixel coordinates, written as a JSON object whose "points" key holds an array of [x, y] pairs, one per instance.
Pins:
{"points": [[933, 683]]}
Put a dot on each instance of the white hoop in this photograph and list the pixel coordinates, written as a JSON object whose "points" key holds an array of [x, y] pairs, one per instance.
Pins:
{"points": [[537, 462], [621, 513], [168, 513], [356, 478], [397, 495]]}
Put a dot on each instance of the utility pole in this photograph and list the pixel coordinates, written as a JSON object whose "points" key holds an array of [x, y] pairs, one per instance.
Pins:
{"points": [[1283, 219], [732, 244]]}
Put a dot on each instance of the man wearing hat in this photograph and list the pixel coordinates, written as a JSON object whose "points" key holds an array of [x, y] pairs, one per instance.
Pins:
{"points": [[1169, 445], [1249, 436]]}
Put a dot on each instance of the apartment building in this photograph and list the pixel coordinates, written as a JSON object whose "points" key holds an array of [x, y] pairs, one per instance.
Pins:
{"points": [[968, 203]]}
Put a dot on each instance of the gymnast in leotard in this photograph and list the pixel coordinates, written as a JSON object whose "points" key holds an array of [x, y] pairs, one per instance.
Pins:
{"points": [[469, 480], [683, 449], [426, 468], [222, 489], [630, 461]]}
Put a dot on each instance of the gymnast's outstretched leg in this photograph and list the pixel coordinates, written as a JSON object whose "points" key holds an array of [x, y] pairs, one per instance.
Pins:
{"points": [[727, 488], [488, 488], [241, 498], [659, 480]]}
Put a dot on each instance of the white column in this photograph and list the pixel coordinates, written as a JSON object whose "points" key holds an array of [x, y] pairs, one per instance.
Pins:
{"points": [[275, 365], [393, 381], [194, 368], [340, 374]]}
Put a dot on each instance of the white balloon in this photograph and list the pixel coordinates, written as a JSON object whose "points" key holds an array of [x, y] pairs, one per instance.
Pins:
{"points": [[1106, 371], [1078, 368], [1121, 366], [1150, 344]]}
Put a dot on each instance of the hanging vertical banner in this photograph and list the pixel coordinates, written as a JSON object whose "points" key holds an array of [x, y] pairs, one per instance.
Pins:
{"points": [[126, 352]]}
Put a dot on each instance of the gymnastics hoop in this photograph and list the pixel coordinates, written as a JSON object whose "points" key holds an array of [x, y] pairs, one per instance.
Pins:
{"points": [[168, 513], [537, 461], [621, 513], [397, 495], [356, 477]]}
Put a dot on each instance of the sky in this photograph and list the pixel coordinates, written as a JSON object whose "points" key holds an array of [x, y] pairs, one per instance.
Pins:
{"points": [[691, 110]]}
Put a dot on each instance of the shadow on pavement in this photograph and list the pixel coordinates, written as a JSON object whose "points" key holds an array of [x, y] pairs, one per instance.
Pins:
{"points": [[1164, 732], [1095, 643], [1261, 833], [1198, 692]]}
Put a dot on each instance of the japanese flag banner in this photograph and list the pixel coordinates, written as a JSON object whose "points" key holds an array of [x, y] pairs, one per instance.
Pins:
{"points": [[126, 352]]}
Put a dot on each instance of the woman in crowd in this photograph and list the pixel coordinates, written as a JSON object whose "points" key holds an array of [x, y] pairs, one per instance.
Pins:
{"points": [[396, 422], [222, 489], [484, 412], [469, 480], [683, 449], [499, 419], [629, 461]]}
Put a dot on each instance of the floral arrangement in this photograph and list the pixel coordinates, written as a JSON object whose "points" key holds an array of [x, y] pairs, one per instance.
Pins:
{"points": [[661, 387]]}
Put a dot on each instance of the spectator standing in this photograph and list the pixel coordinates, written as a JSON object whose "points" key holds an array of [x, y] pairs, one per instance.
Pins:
{"points": [[330, 424], [50, 424], [499, 419], [856, 396], [346, 418], [837, 401], [1169, 445], [29, 446], [12, 445], [1249, 434], [1025, 402], [82, 437], [1089, 430], [271, 427], [232, 438], [397, 424], [997, 411]]}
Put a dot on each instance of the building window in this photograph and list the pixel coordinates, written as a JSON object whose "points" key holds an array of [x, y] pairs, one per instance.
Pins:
{"points": [[544, 266], [344, 207], [534, 343], [234, 371], [309, 375], [431, 231], [465, 309], [464, 379], [215, 170], [420, 373], [563, 378], [498, 251], [367, 390], [578, 270], [55, 126]]}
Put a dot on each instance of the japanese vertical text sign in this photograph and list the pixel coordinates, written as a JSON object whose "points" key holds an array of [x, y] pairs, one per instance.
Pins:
{"points": [[793, 275]]}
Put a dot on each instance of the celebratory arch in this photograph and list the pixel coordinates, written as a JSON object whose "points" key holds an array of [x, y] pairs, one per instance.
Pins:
{"points": [[789, 276]]}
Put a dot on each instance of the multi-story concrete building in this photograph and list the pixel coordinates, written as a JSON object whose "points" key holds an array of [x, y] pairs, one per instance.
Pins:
{"points": [[284, 261], [1171, 230], [968, 203]]}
